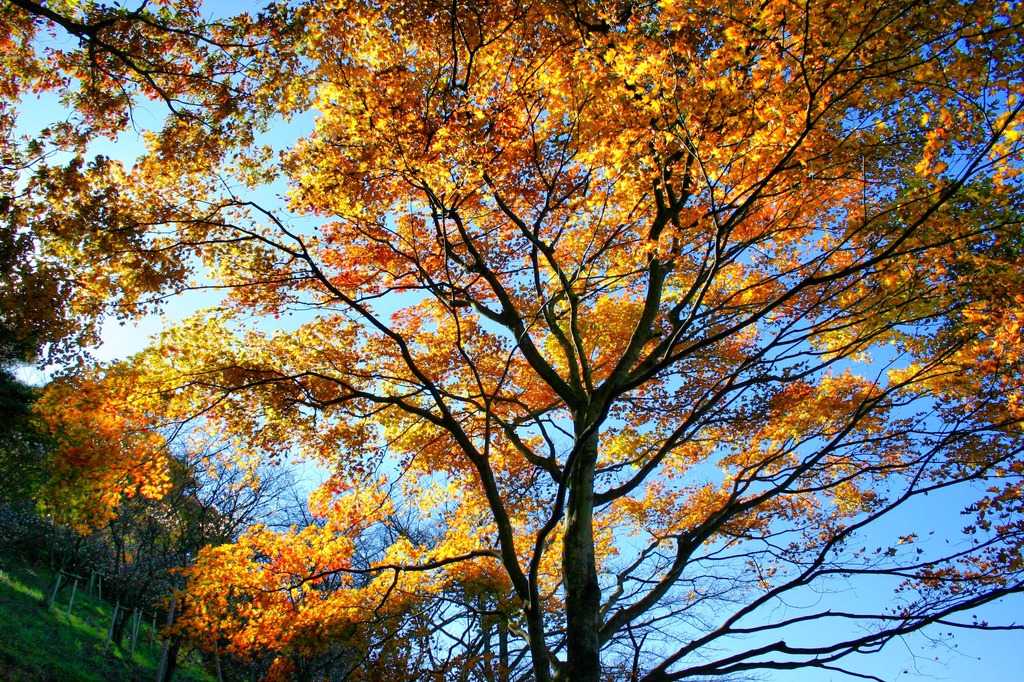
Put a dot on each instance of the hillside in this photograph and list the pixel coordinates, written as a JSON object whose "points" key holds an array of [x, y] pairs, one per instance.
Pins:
{"points": [[38, 644]]}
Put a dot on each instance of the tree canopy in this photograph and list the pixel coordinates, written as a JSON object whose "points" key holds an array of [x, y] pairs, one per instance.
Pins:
{"points": [[652, 316]]}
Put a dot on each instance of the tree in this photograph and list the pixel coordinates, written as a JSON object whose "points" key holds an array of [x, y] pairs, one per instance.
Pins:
{"points": [[210, 502], [21, 453], [660, 312], [73, 251]]}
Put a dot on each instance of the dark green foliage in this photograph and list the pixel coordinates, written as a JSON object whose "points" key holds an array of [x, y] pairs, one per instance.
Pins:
{"points": [[21, 446]]}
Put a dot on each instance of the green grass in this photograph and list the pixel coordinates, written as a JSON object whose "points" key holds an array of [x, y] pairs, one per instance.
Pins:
{"points": [[45, 645]]}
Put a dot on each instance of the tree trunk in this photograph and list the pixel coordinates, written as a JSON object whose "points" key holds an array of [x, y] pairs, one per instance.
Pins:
{"points": [[216, 660], [172, 660], [502, 649], [119, 626], [579, 571], [166, 656]]}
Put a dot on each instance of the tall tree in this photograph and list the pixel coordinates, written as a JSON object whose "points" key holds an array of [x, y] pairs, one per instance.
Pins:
{"points": [[664, 313]]}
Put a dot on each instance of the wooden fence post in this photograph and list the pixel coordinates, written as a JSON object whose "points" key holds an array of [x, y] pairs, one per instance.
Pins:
{"points": [[110, 630], [56, 586], [71, 602], [136, 617]]}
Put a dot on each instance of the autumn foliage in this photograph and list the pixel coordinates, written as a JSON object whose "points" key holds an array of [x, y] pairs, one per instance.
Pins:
{"points": [[649, 316], [101, 450]]}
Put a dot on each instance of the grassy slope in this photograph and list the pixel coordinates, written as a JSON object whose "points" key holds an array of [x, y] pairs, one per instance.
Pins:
{"points": [[45, 645]]}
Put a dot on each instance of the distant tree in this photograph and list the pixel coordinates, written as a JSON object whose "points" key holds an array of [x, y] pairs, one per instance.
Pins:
{"points": [[211, 501], [19, 446], [20, 442]]}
